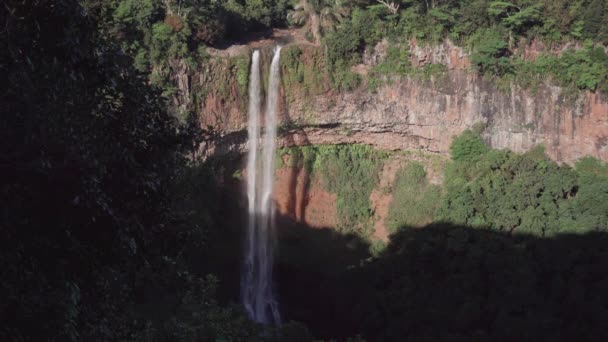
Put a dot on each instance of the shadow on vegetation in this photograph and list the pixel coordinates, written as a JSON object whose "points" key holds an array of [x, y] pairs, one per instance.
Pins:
{"points": [[241, 39], [444, 282], [441, 282], [313, 266], [438, 283]]}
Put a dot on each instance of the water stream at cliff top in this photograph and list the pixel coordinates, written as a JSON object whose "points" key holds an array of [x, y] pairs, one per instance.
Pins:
{"points": [[256, 282]]}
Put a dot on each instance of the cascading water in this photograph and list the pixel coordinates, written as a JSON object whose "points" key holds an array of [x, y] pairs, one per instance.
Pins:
{"points": [[253, 131], [256, 287]]}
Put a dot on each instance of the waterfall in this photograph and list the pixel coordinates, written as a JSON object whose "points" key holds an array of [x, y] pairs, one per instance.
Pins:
{"points": [[256, 284]]}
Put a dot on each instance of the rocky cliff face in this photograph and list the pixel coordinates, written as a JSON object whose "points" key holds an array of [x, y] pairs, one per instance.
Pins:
{"points": [[418, 113]]}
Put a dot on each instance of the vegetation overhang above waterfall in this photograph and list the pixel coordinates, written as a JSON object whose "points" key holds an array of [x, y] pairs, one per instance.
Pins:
{"points": [[136, 205], [522, 41]]}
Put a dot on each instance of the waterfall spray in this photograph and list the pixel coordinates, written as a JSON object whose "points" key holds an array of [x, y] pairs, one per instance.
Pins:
{"points": [[256, 287]]}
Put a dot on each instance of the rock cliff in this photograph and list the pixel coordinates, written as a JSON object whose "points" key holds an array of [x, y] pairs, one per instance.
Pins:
{"points": [[411, 112]]}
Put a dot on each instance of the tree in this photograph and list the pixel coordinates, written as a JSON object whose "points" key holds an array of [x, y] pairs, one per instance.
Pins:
{"points": [[515, 18], [318, 16], [592, 199], [393, 7], [490, 52], [593, 18], [91, 151], [468, 147]]}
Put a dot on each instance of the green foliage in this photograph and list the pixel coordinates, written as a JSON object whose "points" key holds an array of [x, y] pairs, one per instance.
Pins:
{"points": [[413, 24], [522, 193], [105, 212], [443, 19], [161, 41], [491, 28], [198, 315], [431, 70], [514, 17], [377, 247], [415, 201], [302, 74], [350, 172], [468, 147], [251, 15], [497, 189], [141, 60], [291, 56], [591, 203], [584, 69], [301, 156], [594, 18], [373, 24], [397, 61], [343, 45], [490, 52], [318, 17], [342, 78], [94, 152], [428, 24], [137, 13], [242, 65], [157, 35], [167, 36], [472, 17]]}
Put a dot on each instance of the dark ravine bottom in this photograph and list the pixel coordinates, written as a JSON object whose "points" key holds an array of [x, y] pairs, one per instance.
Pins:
{"points": [[441, 282]]}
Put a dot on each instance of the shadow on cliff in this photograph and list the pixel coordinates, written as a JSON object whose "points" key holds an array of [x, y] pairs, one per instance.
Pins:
{"points": [[444, 283], [299, 176]]}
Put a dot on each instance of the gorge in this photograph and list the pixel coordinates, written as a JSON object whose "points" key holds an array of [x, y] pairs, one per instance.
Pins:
{"points": [[411, 113], [299, 170], [413, 120]]}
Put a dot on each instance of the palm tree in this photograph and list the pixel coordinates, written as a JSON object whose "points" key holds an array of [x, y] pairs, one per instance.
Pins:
{"points": [[318, 16]]}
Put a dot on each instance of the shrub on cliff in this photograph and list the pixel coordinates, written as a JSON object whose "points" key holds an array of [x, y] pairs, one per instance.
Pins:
{"points": [[415, 201], [351, 172], [468, 147], [520, 193], [490, 52], [591, 203]]}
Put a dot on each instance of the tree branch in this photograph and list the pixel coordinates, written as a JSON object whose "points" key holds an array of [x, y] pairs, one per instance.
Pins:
{"points": [[393, 7]]}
